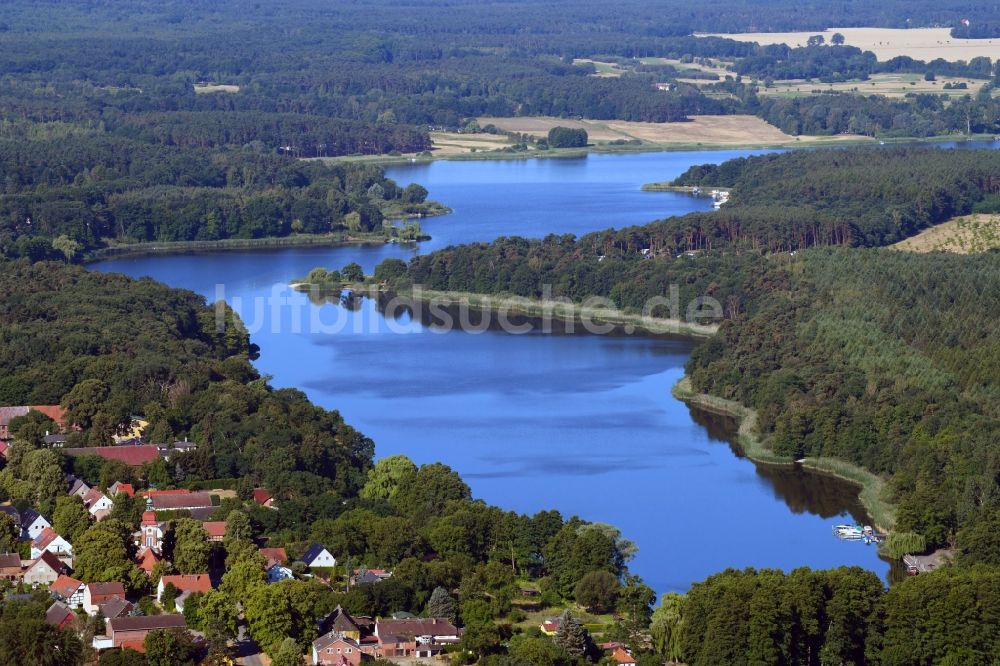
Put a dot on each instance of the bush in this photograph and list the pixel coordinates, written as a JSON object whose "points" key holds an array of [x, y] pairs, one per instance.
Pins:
{"points": [[903, 543]]}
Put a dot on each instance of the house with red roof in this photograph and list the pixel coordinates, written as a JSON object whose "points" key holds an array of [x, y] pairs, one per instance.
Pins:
{"points": [[132, 455], [263, 497], [186, 584], [7, 414], [335, 649], [622, 657], [69, 590], [146, 559], [119, 487], [95, 594], [98, 504], [216, 529], [49, 541], [132, 631]]}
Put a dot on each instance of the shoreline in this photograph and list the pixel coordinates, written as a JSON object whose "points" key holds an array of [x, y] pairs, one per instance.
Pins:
{"points": [[813, 141], [566, 312], [229, 245], [870, 486]]}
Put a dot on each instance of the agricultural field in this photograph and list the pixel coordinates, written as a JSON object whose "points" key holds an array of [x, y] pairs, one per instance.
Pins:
{"points": [[604, 69], [889, 85], [963, 235], [700, 130], [919, 43], [455, 143], [202, 88]]}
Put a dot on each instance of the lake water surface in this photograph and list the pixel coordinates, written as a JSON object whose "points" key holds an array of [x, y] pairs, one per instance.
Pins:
{"points": [[583, 424]]}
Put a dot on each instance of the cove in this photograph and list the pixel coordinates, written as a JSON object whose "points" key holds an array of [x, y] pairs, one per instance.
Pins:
{"points": [[583, 424]]}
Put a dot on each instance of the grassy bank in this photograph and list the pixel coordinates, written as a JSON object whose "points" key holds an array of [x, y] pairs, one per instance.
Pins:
{"points": [[687, 189], [230, 244], [565, 311], [872, 486]]}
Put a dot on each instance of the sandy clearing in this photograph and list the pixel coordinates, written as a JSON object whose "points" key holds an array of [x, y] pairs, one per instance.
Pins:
{"points": [[962, 235], [453, 143], [920, 43], [707, 130]]}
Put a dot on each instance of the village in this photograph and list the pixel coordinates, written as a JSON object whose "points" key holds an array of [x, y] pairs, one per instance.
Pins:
{"points": [[111, 616]]}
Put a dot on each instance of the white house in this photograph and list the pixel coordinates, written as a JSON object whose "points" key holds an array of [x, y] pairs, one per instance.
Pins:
{"points": [[279, 572], [50, 542], [32, 524], [69, 590], [319, 556], [95, 594], [97, 503]]}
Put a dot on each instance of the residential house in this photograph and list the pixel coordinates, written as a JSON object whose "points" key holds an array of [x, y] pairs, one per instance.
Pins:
{"points": [[319, 556], [77, 486], [216, 530], [421, 637], [45, 570], [116, 608], [95, 594], [263, 497], [151, 532], [132, 455], [32, 524], [10, 566], [550, 626], [49, 541], [60, 616], [361, 576], [55, 440], [97, 503], [119, 487], [274, 564], [622, 657], [54, 412], [168, 450], [341, 622], [133, 630], [179, 502], [186, 584], [335, 649], [68, 590]]}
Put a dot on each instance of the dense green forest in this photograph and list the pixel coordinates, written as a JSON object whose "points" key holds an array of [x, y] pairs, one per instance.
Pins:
{"points": [[89, 188]]}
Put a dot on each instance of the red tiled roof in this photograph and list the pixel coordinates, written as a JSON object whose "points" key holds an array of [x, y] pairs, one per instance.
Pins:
{"points": [[54, 412], [261, 495], [175, 491], [189, 582], [3, 449], [147, 559], [622, 657], [133, 456], [274, 556], [101, 592], [65, 586], [216, 528], [126, 488], [44, 538], [147, 623], [92, 495]]}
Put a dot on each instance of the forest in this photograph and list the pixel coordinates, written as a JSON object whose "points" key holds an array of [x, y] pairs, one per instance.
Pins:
{"points": [[66, 194]]}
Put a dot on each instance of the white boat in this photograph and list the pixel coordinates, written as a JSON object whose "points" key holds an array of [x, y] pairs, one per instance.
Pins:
{"points": [[848, 532]]}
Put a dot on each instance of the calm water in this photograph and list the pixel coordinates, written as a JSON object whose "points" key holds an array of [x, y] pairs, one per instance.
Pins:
{"points": [[584, 424]]}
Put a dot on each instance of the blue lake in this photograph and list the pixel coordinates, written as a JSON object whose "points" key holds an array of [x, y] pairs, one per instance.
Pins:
{"points": [[584, 424]]}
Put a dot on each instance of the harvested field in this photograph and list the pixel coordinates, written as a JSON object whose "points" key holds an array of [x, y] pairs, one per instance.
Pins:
{"points": [[963, 235], [919, 43], [889, 85], [201, 88], [703, 130], [454, 143]]}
